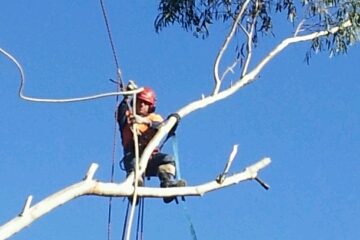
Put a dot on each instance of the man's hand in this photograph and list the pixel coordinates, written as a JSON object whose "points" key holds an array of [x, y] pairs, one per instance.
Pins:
{"points": [[131, 85]]}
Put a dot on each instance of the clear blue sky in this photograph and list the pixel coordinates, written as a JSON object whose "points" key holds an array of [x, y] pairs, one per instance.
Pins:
{"points": [[306, 118]]}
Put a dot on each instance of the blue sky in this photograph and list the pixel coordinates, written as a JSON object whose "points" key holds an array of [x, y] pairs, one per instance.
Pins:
{"points": [[305, 117]]}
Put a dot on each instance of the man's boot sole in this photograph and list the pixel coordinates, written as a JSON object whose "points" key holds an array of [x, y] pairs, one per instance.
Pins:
{"points": [[180, 183]]}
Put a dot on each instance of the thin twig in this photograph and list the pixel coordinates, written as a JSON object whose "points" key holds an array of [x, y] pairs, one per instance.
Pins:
{"points": [[299, 28], [26, 206], [250, 41], [229, 69], [225, 45], [220, 179]]}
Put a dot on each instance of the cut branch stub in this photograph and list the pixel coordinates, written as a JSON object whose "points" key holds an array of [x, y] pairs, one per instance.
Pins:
{"points": [[90, 173], [26, 206]]}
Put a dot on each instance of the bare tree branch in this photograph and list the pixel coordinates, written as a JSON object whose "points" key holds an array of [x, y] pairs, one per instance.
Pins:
{"points": [[217, 96], [221, 177], [229, 69], [89, 186], [225, 45], [26, 206], [246, 79], [90, 174], [299, 27], [291, 40], [249, 36]]}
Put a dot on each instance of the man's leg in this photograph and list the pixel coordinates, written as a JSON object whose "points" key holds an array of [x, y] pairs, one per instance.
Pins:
{"points": [[165, 166], [129, 165]]}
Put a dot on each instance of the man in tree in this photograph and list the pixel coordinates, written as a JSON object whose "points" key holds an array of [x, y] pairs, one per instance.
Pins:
{"points": [[145, 122]]}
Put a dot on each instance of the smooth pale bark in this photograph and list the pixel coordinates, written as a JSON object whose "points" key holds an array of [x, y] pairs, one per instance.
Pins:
{"points": [[89, 186]]}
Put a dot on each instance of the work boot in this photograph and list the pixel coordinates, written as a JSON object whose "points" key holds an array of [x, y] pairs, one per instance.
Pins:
{"points": [[168, 180]]}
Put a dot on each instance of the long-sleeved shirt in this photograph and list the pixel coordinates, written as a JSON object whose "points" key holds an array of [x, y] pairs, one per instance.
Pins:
{"points": [[146, 131]]}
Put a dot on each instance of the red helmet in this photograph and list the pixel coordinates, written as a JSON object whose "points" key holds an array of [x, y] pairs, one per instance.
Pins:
{"points": [[148, 95]]}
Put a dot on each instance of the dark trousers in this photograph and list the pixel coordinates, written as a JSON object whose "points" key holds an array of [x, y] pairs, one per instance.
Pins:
{"points": [[156, 160]]}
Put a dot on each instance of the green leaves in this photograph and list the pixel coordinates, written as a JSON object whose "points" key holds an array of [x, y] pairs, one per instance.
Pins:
{"points": [[196, 16], [327, 14], [185, 13]]}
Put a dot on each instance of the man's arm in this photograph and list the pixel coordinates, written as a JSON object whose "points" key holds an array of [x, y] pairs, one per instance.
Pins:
{"points": [[121, 116]]}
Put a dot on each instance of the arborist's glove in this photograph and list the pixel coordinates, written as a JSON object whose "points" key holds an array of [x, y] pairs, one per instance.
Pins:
{"points": [[131, 85]]}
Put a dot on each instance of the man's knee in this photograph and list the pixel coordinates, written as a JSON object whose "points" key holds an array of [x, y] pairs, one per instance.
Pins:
{"points": [[167, 168]]}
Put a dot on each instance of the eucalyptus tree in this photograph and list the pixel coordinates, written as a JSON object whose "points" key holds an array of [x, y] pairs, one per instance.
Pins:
{"points": [[327, 25], [256, 20]]}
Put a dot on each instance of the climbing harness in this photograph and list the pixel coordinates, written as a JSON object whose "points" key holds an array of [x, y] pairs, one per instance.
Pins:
{"points": [[140, 220]]}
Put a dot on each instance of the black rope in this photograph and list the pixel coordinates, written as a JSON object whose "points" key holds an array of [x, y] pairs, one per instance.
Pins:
{"points": [[111, 43], [119, 85], [140, 220], [112, 180]]}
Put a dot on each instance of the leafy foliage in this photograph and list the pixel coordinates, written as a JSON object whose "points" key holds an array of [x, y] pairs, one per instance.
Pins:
{"points": [[331, 13], [197, 16]]}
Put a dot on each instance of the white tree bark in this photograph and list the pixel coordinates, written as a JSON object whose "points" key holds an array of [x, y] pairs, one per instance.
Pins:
{"points": [[89, 186], [238, 84]]}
